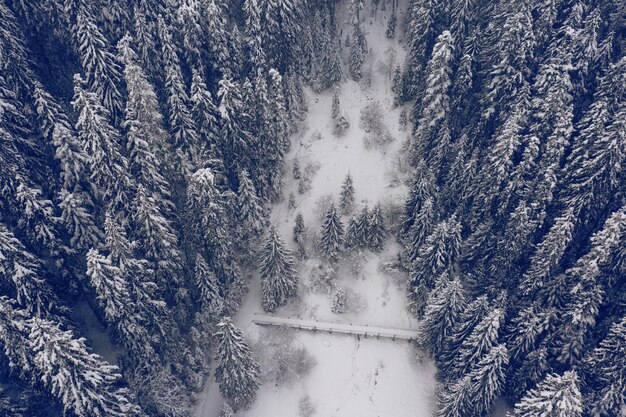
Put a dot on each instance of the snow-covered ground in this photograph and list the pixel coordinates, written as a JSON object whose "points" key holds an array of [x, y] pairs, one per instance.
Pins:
{"points": [[352, 376]]}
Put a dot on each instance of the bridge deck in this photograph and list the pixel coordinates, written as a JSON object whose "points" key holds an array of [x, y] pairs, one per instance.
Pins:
{"points": [[313, 325]]}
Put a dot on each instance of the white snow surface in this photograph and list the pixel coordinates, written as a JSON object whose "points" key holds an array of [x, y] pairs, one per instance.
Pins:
{"points": [[353, 377]]}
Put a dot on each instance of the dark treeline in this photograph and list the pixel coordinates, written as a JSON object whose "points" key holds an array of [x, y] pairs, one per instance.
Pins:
{"points": [[141, 144], [515, 227]]}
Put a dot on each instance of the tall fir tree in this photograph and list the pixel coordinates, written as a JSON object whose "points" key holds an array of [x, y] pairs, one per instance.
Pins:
{"points": [[332, 239], [236, 372], [278, 274]]}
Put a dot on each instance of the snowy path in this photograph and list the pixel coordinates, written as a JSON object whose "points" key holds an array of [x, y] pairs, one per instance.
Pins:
{"points": [[314, 325]]}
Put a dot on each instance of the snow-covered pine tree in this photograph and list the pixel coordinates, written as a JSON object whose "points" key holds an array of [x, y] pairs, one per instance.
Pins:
{"points": [[157, 237], [78, 220], [346, 199], [335, 106], [205, 115], [475, 393], [237, 140], [182, 127], [21, 275], [278, 275], [352, 233], [143, 122], [472, 314], [421, 229], [250, 207], [332, 239], [108, 167], [357, 52], [438, 253], [363, 228], [555, 396], [206, 281], [479, 342], [391, 24], [587, 289], [297, 174], [432, 112], [252, 36], [207, 225], [101, 69], [85, 383], [236, 372], [605, 369], [377, 232], [298, 235], [443, 313], [226, 411]]}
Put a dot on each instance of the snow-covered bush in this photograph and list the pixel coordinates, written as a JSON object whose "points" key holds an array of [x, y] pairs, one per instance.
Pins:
{"points": [[322, 279], [282, 361], [353, 263], [322, 205], [306, 408], [355, 302], [375, 141], [378, 135], [394, 212], [159, 390], [372, 118], [339, 301], [341, 125], [306, 177]]}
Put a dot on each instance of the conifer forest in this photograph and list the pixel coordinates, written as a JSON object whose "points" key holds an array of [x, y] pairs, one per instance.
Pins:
{"points": [[313, 208]]}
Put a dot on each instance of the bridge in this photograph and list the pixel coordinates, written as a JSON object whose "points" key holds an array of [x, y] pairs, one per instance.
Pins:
{"points": [[341, 328]]}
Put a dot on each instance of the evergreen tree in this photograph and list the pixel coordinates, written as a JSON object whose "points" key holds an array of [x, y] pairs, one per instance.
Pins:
{"points": [[205, 115], [362, 228], [555, 396], [377, 231], [182, 127], [298, 235], [332, 239], [391, 24], [252, 36], [335, 109], [434, 108], [21, 275], [279, 280], [108, 168], [83, 382], [357, 52], [479, 342], [587, 292], [101, 69], [471, 316], [488, 378], [352, 233], [443, 313], [158, 238], [605, 369], [437, 255], [207, 225], [339, 302], [143, 123], [206, 281], [249, 205], [347, 195], [236, 372], [475, 393]]}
